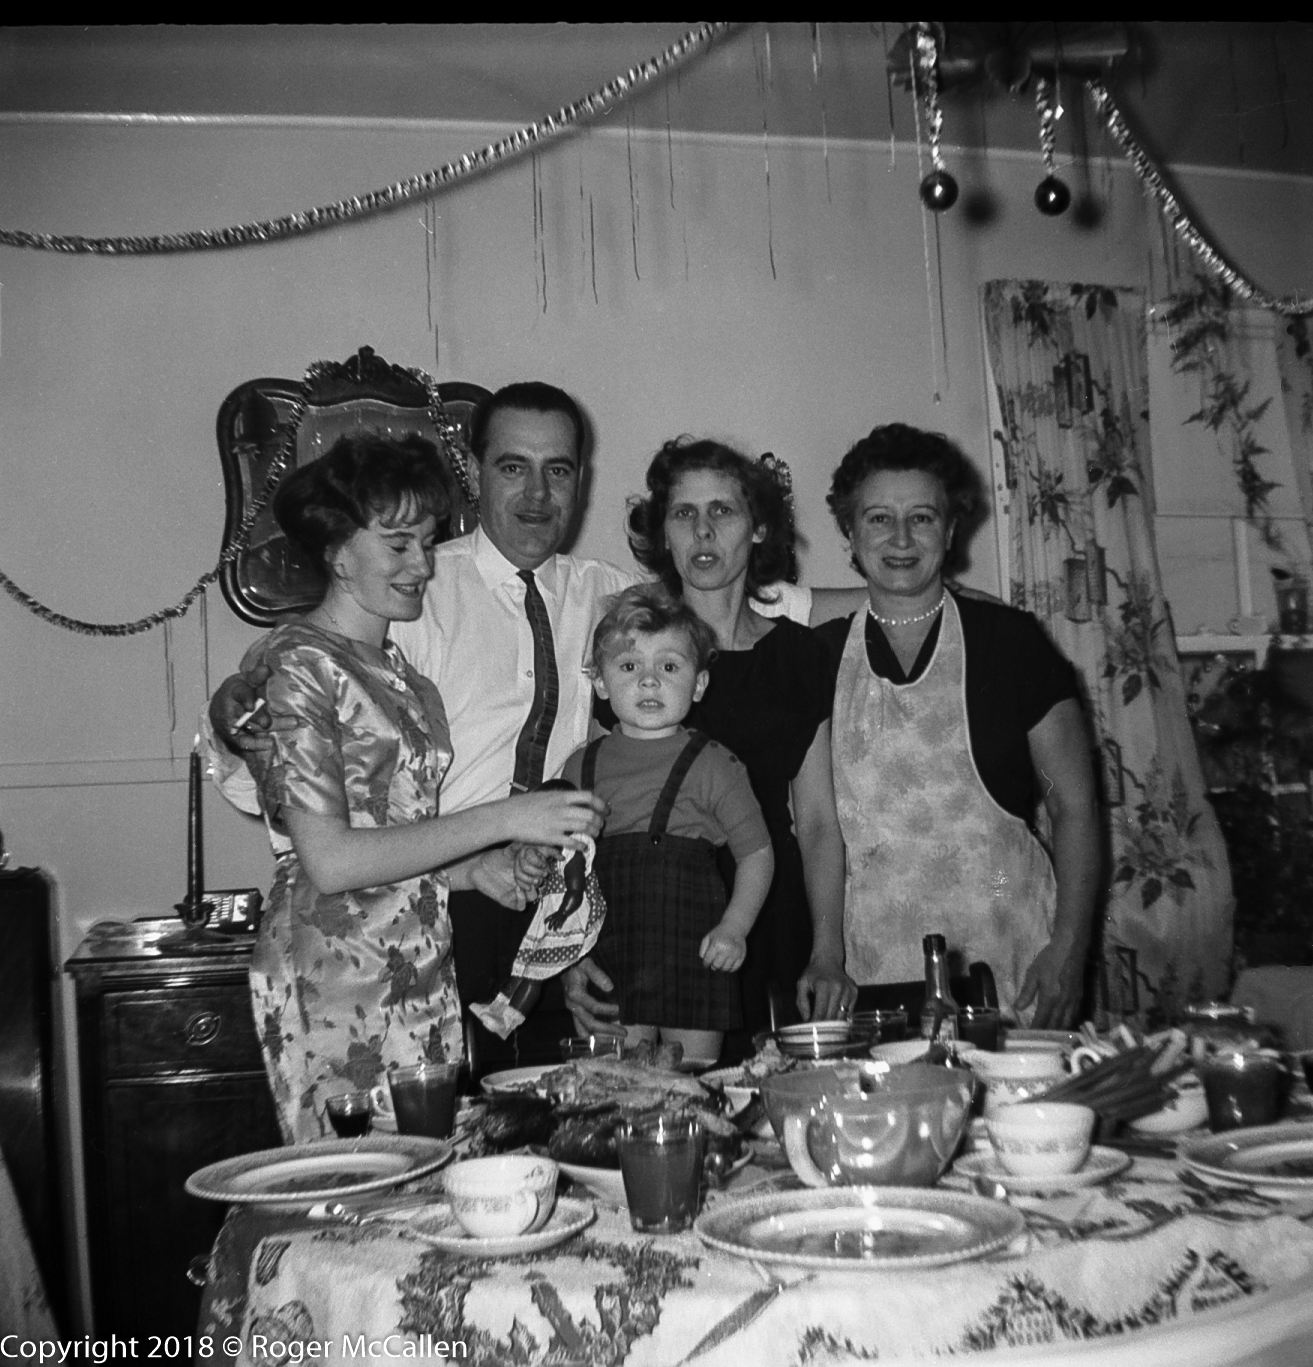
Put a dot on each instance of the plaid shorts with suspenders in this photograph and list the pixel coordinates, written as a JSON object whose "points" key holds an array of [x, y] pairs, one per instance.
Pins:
{"points": [[663, 894]]}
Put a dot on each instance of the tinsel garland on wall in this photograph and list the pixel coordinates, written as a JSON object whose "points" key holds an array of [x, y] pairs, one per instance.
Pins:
{"points": [[529, 139]]}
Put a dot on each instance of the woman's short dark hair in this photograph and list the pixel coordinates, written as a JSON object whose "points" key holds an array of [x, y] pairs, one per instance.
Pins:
{"points": [[896, 446], [323, 504], [772, 559]]}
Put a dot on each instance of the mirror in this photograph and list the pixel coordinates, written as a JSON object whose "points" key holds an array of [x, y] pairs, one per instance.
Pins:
{"points": [[268, 576]]}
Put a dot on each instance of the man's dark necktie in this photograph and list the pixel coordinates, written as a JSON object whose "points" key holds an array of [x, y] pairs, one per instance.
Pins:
{"points": [[531, 748]]}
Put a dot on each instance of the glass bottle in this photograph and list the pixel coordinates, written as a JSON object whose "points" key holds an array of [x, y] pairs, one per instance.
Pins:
{"points": [[939, 1014]]}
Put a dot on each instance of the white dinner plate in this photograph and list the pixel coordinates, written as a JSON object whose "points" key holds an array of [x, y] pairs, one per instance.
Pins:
{"points": [[861, 1228], [1270, 1156], [1101, 1164], [517, 1080], [326, 1170], [436, 1225]]}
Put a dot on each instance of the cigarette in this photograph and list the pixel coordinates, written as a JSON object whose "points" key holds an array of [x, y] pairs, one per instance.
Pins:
{"points": [[246, 716]]}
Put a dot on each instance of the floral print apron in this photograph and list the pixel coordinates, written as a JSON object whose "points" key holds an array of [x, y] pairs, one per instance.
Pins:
{"points": [[928, 847]]}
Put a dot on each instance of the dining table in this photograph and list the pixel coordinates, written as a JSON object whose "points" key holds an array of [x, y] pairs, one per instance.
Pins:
{"points": [[1156, 1265]]}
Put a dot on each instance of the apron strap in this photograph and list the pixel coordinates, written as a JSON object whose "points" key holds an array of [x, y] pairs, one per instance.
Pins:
{"points": [[697, 742], [588, 772]]}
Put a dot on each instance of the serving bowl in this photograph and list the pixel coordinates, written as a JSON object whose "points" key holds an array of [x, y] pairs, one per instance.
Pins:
{"points": [[823, 1039], [902, 1132], [785, 1092], [1186, 1111]]}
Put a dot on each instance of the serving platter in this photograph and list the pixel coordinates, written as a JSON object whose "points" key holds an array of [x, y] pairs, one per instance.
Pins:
{"points": [[1268, 1156], [861, 1228], [435, 1223], [1101, 1164], [326, 1170], [514, 1080]]}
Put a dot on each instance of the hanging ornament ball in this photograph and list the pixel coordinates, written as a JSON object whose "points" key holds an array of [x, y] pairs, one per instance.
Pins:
{"points": [[939, 191], [1052, 197]]}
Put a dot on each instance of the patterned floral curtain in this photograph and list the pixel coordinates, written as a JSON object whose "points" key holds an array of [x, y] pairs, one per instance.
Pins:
{"points": [[1070, 366], [1295, 362]]}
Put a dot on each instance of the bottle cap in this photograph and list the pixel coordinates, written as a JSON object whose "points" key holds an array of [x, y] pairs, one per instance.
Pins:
{"points": [[934, 944]]}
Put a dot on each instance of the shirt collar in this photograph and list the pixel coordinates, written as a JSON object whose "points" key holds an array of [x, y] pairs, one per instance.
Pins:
{"points": [[495, 569]]}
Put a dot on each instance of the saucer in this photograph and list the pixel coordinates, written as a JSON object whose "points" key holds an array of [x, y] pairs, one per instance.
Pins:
{"points": [[1101, 1164], [436, 1225]]}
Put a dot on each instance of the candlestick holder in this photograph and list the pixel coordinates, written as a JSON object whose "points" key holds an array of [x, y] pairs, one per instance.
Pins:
{"points": [[194, 910]]}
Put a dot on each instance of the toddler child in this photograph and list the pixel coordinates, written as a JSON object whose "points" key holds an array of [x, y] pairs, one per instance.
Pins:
{"points": [[671, 942]]}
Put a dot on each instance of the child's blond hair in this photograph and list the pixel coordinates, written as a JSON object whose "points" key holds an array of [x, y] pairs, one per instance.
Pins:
{"points": [[645, 610]]}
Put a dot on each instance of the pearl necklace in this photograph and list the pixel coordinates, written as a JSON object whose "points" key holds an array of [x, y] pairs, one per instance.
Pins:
{"points": [[908, 621]]}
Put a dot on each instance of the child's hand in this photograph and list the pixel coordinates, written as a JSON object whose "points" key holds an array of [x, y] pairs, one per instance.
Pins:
{"points": [[532, 864], [723, 950]]}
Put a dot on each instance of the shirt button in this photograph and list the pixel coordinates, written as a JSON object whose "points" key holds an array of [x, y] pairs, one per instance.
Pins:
{"points": [[528, 673]]}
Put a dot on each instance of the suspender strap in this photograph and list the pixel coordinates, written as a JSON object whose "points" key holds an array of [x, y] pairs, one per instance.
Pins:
{"points": [[697, 742], [588, 773]]}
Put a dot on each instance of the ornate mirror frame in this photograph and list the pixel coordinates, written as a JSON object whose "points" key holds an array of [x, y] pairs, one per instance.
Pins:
{"points": [[262, 419]]}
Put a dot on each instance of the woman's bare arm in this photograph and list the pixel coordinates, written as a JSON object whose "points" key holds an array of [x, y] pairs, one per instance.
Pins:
{"points": [[1060, 752], [824, 990], [338, 856]]}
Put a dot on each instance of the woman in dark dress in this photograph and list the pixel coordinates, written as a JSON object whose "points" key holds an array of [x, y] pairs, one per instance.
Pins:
{"points": [[716, 528]]}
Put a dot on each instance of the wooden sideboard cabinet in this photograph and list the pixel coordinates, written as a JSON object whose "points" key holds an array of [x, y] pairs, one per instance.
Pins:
{"points": [[171, 1079]]}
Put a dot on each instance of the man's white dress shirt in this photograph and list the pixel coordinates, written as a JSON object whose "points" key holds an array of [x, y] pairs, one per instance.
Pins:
{"points": [[474, 641]]}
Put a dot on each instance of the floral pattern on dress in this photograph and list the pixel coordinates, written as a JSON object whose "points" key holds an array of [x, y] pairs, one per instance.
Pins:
{"points": [[346, 984]]}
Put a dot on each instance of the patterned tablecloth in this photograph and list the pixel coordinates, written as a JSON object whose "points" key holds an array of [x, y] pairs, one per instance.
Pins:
{"points": [[1154, 1245]]}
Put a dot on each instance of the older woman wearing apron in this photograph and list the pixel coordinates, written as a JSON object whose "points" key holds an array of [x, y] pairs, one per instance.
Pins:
{"points": [[954, 717]]}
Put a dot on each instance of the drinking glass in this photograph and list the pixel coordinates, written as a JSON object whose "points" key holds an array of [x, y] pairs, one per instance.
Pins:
{"points": [[591, 1046], [979, 1025], [424, 1098], [1242, 1087], [661, 1163], [349, 1114]]}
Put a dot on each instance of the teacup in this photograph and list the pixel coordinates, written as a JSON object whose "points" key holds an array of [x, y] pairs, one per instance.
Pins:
{"points": [[498, 1198], [1018, 1076], [1041, 1138], [903, 1133]]}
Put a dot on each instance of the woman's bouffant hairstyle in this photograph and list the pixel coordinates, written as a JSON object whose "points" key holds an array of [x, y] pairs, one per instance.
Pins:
{"points": [[322, 505], [645, 610], [897, 446], [772, 559]]}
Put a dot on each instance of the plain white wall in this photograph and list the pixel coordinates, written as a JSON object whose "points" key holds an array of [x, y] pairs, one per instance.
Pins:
{"points": [[112, 371]]}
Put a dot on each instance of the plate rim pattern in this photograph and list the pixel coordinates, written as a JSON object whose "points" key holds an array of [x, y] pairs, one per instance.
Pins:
{"points": [[1117, 1162], [214, 1181], [1008, 1223], [1200, 1154]]}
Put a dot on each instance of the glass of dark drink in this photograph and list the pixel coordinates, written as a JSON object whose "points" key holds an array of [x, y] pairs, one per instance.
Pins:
{"points": [[1243, 1088], [424, 1098], [979, 1025], [349, 1114], [661, 1163]]}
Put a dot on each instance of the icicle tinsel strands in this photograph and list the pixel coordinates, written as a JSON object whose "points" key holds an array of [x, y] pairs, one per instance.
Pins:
{"points": [[1182, 224], [530, 137], [927, 52], [230, 553], [1045, 100]]}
